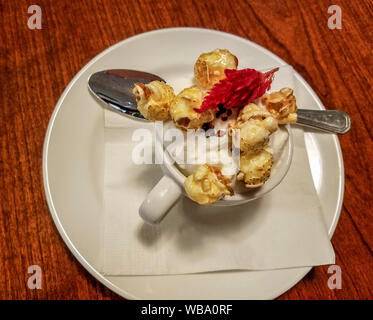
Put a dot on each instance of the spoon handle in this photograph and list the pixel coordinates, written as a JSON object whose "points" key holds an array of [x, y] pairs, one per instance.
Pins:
{"points": [[334, 121]]}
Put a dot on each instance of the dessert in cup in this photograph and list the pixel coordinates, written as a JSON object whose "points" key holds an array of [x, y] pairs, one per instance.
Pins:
{"points": [[243, 129]]}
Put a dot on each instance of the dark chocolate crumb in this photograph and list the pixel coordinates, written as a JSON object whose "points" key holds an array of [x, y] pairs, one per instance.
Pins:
{"points": [[206, 126], [221, 110]]}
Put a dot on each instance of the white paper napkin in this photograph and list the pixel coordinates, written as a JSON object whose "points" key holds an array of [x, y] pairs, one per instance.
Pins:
{"points": [[283, 229]]}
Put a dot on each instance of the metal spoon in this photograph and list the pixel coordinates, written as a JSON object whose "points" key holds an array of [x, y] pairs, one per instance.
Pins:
{"points": [[115, 88]]}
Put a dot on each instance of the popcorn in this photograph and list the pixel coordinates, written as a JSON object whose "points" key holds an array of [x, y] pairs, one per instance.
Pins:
{"points": [[209, 68], [154, 99], [183, 113], [207, 185], [282, 105], [255, 168], [255, 125]]}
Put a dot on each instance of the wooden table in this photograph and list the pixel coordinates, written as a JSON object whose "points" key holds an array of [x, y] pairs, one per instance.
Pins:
{"points": [[36, 65]]}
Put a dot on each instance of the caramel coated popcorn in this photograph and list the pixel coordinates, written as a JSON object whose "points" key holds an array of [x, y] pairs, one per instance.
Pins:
{"points": [[255, 125], [154, 99], [183, 107], [210, 66], [282, 105], [207, 185], [255, 168]]}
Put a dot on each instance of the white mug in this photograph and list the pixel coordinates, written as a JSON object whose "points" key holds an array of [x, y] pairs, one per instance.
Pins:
{"points": [[170, 188]]}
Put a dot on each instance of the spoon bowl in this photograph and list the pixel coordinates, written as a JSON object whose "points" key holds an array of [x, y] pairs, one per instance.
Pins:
{"points": [[114, 87]]}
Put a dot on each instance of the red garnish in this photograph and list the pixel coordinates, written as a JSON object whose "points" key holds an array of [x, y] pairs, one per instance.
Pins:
{"points": [[238, 89]]}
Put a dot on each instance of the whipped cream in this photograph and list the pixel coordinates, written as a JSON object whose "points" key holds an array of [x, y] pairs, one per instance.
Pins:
{"points": [[215, 150], [200, 147]]}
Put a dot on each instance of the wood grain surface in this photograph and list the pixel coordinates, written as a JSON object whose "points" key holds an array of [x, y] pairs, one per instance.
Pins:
{"points": [[36, 65]]}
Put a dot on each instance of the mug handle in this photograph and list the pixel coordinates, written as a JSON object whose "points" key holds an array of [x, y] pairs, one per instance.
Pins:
{"points": [[160, 200]]}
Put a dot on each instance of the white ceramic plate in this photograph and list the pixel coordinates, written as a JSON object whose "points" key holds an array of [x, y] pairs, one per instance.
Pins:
{"points": [[73, 164]]}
